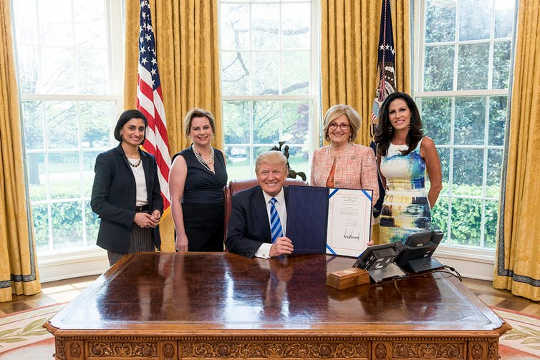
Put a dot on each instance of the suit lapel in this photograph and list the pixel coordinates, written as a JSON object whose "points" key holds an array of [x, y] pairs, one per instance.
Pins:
{"points": [[260, 210]]}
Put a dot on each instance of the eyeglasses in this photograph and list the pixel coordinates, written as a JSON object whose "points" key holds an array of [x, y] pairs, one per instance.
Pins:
{"points": [[343, 126]]}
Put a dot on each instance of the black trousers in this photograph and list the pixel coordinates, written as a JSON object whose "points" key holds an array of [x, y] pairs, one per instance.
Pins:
{"points": [[204, 225]]}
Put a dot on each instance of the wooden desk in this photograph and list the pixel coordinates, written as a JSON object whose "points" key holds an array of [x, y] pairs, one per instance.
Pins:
{"points": [[210, 305]]}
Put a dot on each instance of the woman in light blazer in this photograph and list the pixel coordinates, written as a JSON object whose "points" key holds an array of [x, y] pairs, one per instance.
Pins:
{"points": [[343, 164]]}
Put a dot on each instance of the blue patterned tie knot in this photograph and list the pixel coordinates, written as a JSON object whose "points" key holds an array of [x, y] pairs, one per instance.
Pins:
{"points": [[275, 224]]}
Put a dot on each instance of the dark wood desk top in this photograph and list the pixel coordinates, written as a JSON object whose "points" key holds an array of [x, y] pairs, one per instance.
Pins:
{"points": [[222, 293]]}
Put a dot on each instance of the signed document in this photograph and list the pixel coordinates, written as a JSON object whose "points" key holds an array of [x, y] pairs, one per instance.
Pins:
{"points": [[349, 221]]}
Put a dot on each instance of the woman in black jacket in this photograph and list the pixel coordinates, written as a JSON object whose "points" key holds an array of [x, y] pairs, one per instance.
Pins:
{"points": [[126, 193]]}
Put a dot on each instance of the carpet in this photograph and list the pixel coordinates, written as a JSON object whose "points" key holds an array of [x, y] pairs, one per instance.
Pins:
{"points": [[25, 328], [523, 341], [23, 337]]}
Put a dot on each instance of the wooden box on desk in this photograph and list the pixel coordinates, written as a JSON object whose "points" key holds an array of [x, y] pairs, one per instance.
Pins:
{"points": [[347, 278]]}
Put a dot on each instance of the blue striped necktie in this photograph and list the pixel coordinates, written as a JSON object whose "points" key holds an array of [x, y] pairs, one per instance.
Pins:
{"points": [[275, 223]]}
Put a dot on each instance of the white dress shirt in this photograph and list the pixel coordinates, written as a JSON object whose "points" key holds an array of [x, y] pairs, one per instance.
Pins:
{"points": [[264, 250]]}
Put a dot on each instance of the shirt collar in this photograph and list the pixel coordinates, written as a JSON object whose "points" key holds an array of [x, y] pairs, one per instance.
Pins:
{"points": [[280, 197]]}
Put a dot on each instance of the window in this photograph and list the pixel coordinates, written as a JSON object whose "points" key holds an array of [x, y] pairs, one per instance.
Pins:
{"points": [[68, 60], [463, 66], [269, 67]]}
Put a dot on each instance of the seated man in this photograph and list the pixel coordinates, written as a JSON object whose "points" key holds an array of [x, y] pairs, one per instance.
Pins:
{"points": [[259, 215]]}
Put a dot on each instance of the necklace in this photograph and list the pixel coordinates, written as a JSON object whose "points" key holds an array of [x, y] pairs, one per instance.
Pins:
{"points": [[201, 160], [135, 164]]}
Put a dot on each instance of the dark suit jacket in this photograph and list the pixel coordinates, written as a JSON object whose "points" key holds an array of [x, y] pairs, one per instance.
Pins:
{"points": [[114, 196], [248, 225]]}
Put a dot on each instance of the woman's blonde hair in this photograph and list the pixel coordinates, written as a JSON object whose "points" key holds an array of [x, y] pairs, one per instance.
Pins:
{"points": [[338, 110], [197, 112]]}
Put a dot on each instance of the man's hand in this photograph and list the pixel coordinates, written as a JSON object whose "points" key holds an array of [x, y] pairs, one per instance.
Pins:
{"points": [[282, 246]]}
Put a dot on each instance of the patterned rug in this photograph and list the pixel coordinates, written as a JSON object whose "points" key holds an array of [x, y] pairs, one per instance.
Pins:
{"points": [[23, 337]]}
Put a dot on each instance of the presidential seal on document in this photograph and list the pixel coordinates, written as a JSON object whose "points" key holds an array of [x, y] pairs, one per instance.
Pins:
{"points": [[349, 221]]}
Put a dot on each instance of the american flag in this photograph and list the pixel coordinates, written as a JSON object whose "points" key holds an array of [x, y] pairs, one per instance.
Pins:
{"points": [[386, 80], [149, 102]]}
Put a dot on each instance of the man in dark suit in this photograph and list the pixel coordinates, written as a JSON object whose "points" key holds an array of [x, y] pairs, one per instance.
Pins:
{"points": [[257, 225]]}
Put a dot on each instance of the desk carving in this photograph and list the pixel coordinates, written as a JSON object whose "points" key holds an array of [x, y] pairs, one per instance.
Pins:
{"points": [[222, 306]]}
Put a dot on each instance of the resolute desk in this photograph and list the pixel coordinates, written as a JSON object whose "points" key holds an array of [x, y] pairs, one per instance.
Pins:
{"points": [[220, 305]]}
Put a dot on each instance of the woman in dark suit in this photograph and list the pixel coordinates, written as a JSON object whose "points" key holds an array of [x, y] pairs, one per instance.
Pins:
{"points": [[126, 193]]}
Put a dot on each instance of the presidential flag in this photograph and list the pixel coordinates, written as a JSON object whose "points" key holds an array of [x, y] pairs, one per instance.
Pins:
{"points": [[149, 102], [386, 80]]}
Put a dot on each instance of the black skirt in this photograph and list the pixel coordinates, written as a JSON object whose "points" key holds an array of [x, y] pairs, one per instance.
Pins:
{"points": [[204, 225]]}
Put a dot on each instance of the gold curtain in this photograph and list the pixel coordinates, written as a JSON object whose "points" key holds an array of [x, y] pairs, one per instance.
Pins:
{"points": [[186, 34], [518, 248], [18, 270], [349, 40]]}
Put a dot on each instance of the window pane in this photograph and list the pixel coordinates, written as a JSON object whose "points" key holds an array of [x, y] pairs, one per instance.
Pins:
{"points": [[494, 168], [26, 24], [296, 25], [466, 220], [236, 115], [55, 23], [439, 215], [37, 176], [266, 122], [58, 72], [299, 160], [61, 122], [504, 18], [501, 64], [64, 175], [440, 20], [96, 119], [469, 125], [27, 66], [238, 162], [438, 68], [295, 73], [40, 218], [88, 163], [295, 122], [444, 155], [235, 73], [490, 229], [474, 17], [92, 224], [265, 26], [497, 119], [473, 66], [67, 224], [32, 123], [468, 172], [266, 66], [234, 26], [436, 118]]}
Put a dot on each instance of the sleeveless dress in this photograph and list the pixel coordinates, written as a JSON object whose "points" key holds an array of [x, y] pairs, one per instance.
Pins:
{"points": [[405, 208], [203, 203]]}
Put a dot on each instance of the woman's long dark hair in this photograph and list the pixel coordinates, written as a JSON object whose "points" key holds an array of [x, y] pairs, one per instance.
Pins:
{"points": [[385, 131]]}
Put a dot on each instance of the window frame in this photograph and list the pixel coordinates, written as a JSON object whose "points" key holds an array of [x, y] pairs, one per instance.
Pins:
{"points": [[463, 254], [313, 98], [56, 264]]}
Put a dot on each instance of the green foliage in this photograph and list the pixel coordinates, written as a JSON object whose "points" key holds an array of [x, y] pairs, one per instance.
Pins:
{"points": [[466, 217]]}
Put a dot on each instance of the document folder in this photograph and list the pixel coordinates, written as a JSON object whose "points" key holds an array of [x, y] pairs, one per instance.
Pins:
{"points": [[307, 218]]}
